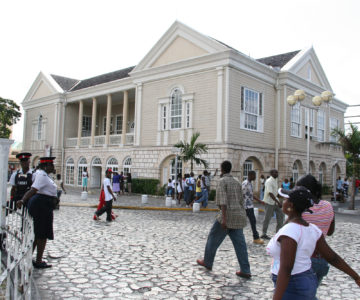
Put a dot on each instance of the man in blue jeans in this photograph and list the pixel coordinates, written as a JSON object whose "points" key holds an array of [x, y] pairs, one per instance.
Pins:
{"points": [[230, 221]]}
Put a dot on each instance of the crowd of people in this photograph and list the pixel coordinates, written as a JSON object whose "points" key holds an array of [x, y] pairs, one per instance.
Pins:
{"points": [[191, 189], [301, 255]]}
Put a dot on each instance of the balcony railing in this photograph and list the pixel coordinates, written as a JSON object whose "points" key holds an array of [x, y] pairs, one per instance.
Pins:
{"points": [[99, 141]]}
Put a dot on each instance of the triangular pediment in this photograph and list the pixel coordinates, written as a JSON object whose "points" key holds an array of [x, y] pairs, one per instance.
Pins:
{"points": [[43, 86], [307, 66], [179, 43]]}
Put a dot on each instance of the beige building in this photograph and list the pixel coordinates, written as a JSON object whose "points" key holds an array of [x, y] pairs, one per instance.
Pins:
{"points": [[188, 82]]}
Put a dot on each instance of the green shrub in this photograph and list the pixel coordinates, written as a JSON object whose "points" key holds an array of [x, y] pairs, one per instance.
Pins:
{"points": [[162, 190], [212, 195], [325, 189], [145, 186]]}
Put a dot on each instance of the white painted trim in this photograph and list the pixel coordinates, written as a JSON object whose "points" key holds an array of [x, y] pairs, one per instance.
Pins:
{"points": [[56, 128], [138, 113], [219, 112], [227, 103]]}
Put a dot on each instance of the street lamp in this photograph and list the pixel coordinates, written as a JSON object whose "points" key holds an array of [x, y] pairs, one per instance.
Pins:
{"points": [[299, 96]]}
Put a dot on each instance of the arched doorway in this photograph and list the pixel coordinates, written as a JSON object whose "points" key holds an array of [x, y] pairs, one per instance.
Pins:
{"points": [[335, 173], [96, 168], [69, 171], [112, 164], [312, 168], [127, 165], [167, 169], [81, 167], [252, 164], [297, 170], [322, 172]]}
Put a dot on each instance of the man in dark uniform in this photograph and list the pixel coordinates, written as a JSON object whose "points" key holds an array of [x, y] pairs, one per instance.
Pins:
{"points": [[21, 180]]}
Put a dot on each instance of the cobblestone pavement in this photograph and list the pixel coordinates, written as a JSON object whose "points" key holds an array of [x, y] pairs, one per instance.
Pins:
{"points": [[152, 255]]}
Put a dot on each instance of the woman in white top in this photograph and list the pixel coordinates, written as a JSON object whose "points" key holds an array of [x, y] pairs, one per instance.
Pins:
{"points": [[293, 246], [40, 200]]}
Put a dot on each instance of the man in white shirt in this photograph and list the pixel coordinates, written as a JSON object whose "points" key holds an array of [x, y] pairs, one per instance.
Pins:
{"points": [[272, 204], [109, 197]]}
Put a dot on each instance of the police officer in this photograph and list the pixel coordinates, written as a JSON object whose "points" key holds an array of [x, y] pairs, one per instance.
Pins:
{"points": [[21, 180]]}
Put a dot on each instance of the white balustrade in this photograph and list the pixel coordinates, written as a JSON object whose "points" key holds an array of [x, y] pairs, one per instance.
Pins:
{"points": [[99, 140], [71, 142], [129, 138], [115, 139], [85, 141]]}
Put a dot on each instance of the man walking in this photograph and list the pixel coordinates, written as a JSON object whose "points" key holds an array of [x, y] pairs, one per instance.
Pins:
{"points": [[272, 204], [230, 221], [109, 197], [248, 194]]}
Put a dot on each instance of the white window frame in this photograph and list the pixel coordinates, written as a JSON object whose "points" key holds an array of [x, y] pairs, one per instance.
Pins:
{"points": [[69, 171], [127, 165], [176, 109], [187, 114], [252, 107], [86, 126], [118, 127], [332, 126], [112, 164], [39, 132], [295, 119], [163, 117], [321, 126], [172, 168], [81, 165], [111, 125], [247, 166], [295, 171]]}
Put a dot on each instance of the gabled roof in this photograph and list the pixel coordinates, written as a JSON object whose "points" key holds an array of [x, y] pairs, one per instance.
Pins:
{"points": [[279, 60], [112, 76], [65, 83]]}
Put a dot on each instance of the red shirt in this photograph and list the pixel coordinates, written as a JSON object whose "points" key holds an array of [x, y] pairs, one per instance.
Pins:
{"points": [[322, 215]]}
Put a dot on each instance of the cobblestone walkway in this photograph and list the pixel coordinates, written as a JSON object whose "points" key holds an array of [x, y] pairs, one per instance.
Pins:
{"points": [[152, 255]]}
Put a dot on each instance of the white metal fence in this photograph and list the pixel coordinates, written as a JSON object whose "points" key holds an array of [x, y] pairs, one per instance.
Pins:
{"points": [[17, 237]]}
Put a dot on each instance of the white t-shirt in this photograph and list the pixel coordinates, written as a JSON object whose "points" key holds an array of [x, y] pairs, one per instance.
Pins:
{"points": [[179, 190], [306, 238], [107, 183], [44, 184], [173, 183]]}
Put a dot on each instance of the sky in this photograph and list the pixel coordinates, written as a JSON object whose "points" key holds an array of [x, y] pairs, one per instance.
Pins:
{"points": [[84, 38]]}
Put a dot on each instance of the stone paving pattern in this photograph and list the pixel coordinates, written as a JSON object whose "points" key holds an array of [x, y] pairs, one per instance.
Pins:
{"points": [[152, 255]]}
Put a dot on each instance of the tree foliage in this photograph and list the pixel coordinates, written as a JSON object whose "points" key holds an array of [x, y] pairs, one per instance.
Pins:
{"points": [[191, 151], [350, 143], [9, 115]]}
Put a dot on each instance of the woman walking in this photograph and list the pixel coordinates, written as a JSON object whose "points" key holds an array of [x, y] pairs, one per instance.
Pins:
{"points": [[293, 246]]}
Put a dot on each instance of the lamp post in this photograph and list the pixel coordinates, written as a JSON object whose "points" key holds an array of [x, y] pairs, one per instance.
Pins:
{"points": [[299, 96]]}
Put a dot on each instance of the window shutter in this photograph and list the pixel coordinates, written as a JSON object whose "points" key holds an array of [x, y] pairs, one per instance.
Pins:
{"points": [[260, 104], [242, 98]]}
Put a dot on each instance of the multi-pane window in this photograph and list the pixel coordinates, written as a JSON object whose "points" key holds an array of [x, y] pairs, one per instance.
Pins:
{"points": [[111, 125], [187, 115], [112, 164], [178, 170], [251, 109], [81, 167], [163, 117], [69, 172], [118, 125], [248, 166], [176, 109], [86, 126], [295, 172], [39, 127], [334, 123], [127, 166], [295, 120], [321, 126]]}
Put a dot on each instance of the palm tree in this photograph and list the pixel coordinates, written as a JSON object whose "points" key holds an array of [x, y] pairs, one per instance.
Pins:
{"points": [[350, 143], [191, 151]]}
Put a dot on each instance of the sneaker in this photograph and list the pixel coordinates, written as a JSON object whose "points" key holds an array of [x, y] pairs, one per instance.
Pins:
{"points": [[265, 237], [259, 241], [96, 218]]}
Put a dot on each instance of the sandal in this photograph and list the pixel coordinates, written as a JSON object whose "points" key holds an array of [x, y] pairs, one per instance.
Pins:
{"points": [[41, 265]]}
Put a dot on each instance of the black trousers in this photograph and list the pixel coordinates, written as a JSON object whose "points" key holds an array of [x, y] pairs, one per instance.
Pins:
{"points": [[107, 208], [251, 216]]}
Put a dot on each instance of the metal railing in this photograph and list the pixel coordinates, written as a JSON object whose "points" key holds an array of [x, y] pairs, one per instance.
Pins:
{"points": [[17, 237]]}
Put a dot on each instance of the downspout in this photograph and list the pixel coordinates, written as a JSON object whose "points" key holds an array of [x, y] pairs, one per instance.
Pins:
{"points": [[277, 123], [63, 137]]}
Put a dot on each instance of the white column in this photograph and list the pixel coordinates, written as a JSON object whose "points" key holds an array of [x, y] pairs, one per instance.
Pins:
{"points": [[81, 110], [277, 125], [286, 123], [138, 113], [25, 126], [56, 129], [108, 119], [93, 121], [227, 103], [220, 75], [125, 117], [307, 111], [4, 159]]}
